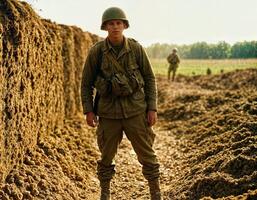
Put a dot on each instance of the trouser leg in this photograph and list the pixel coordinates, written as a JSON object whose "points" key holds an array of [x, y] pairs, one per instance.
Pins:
{"points": [[169, 73], [109, 136], [141, 137], [173, 75]]}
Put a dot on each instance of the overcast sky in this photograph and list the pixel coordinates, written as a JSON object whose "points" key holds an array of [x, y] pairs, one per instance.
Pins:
{"points": [[163, 21]]}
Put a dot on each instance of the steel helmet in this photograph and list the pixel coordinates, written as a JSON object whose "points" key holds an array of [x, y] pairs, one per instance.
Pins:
{"points": [[113, 13], [175, 49]]}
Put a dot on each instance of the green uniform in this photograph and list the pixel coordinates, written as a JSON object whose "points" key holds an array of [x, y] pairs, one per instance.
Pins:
{"points": [[125, 112], [173, 60]]}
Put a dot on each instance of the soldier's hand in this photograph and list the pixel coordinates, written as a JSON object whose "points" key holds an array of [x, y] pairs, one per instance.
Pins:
{"points": [[91, 119], [151, 117]]}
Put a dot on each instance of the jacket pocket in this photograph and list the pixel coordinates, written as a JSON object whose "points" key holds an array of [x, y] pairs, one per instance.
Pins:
{"points": [[102, 86], [135, 76], [105, 104], [139, 94]]}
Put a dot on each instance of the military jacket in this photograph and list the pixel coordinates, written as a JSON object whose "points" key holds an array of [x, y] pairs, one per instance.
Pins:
{"points": [[173, 59], [131, 56]]}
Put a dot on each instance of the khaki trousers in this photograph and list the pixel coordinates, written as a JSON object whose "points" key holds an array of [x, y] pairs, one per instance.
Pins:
{"points": [[141, 136]]}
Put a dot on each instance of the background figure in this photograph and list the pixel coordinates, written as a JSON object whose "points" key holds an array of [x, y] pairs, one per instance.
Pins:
{"points": [[174, 60]]}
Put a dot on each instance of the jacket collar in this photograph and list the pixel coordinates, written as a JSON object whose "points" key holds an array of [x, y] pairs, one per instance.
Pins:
{"points": [[108, 47]]}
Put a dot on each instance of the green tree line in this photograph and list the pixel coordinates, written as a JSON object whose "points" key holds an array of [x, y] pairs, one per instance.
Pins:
{"points": [[203, 50]]}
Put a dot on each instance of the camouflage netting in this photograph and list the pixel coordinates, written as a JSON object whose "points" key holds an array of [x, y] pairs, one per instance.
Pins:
{"points": [[41, 64]]}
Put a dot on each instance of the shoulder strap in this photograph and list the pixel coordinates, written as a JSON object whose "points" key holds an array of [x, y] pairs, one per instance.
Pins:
{"points": [[99, 61], [133, 43], [117, 66]]}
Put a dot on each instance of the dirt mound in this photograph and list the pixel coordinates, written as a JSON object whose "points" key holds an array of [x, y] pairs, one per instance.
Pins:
{"points": [[215, 117], [42, 137], [60, 167], [231, 80]]}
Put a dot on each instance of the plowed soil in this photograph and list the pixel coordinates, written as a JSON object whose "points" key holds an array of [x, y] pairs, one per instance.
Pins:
{"points": [[206, 142]]}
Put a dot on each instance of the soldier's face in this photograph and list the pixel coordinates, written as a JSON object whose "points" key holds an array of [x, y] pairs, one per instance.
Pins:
{"points": [[115, 27]]}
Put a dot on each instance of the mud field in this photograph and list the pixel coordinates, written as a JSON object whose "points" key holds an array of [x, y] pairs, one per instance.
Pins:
{"points": [[206, 144], [206, 136]]}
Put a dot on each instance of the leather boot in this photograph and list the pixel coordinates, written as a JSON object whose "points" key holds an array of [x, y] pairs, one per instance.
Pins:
{"points": [[155, 191], [105, 190]]}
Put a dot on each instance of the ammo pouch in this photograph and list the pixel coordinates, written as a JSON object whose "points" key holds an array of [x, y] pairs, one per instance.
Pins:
{"points": [[120, 85], [117, 85], [103, 86]]}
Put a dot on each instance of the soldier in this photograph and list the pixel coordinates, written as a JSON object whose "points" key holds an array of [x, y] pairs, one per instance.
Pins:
{"points": [[174, 60], [125, 101]]}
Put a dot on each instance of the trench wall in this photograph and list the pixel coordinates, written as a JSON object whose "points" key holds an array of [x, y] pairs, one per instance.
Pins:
{"points": [[41, 64]]}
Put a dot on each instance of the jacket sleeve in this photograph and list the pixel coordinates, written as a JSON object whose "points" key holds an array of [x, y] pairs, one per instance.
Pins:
{"points": [[149, 79], [88, 79]]}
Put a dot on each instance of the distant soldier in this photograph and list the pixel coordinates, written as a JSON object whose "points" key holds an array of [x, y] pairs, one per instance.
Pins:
{"points": [[174, 60]]}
